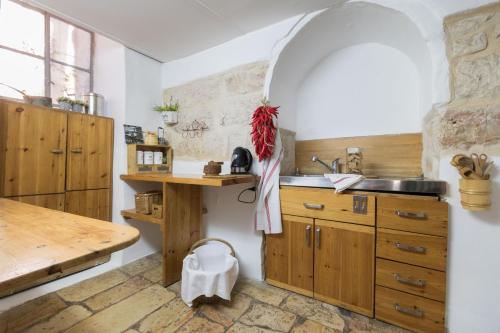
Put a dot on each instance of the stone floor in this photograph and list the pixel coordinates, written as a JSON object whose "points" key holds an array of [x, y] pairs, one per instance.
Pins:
{"points": [[131, 299]]}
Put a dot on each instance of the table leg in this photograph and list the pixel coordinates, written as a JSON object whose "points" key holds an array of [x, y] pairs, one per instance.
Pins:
{"points": [[182, 223]]}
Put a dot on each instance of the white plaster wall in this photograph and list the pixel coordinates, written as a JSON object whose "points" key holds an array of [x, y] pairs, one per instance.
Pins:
{"points": [[143, 92], [365, 89], [473, 264]]}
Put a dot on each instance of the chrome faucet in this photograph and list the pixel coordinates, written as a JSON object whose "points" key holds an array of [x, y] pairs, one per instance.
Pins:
{"points": [[335, 168]]}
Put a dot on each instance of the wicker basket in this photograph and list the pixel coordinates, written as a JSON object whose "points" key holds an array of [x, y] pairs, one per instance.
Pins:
{"points": [[475, 194], [144, 201], [214, 299], [157, 210]]}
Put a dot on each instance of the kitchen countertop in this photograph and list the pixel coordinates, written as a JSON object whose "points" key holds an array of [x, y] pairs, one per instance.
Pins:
{"points": [[398, 185], [190, 179], [38, 242]]}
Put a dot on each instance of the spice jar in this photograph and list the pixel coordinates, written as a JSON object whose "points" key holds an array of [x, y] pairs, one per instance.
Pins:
{"points": [[353, 160]]}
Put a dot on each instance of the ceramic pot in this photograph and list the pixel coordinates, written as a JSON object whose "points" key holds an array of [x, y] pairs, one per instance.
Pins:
{"points": [[169, 117], [66, 106], [77, 108]]}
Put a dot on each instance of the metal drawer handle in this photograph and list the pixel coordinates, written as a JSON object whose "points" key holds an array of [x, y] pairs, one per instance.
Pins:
{"points": [[409, 248], [318, 238], [314, 206], [57, 151], [76, 150], [415, 312], [411, 215], [308, 235], [416, 283]]}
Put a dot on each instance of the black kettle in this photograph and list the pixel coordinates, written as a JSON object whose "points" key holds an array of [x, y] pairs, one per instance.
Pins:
{"points": [[241, 161]]}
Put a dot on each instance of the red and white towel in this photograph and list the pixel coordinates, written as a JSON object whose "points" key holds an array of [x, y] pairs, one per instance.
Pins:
{"points": [[268, 211], [342, 181]]}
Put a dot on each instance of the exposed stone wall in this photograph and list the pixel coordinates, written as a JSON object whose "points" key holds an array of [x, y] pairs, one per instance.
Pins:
{"points": [[471, 120], [225, 103]]}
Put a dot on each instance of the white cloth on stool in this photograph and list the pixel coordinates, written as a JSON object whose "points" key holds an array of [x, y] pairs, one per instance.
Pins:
{"points": [[209, 271], [342, 181]]}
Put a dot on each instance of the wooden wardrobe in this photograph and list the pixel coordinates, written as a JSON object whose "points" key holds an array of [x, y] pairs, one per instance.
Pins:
{"points": [[56, 159]]}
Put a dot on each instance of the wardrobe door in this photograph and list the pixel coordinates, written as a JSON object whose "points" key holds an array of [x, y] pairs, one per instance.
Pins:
{"points": [[32, 150], [90, 152], [91, 203]]}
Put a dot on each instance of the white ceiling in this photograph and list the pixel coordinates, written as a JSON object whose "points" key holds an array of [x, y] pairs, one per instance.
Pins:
{"points": [[172, 29]]}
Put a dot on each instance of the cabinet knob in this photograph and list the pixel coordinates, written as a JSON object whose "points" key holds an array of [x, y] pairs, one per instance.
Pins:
{"points": [[77, 150], [19, 109], [415, 312], [410, 248], [416, 283], [318, 238], [57, 151], [308, 235], [313, 206], [411, 215]]}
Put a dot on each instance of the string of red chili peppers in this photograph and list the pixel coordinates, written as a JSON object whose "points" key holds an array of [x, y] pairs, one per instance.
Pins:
{"points": [[263, 129]]}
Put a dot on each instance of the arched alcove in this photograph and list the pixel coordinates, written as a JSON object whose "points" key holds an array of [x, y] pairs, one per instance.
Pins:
{"points": [[338, 55]]}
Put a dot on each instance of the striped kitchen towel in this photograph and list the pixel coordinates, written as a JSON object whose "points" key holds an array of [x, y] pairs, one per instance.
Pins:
{"points": [[342, 181]]}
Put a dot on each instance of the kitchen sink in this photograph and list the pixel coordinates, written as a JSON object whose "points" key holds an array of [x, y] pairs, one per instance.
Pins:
{"points": [[416, 185]]}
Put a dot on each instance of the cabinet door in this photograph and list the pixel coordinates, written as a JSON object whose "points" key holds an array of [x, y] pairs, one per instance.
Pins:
{"points": [[90, 152], [90, 203], [344, 258], [51, 201], [289, 255], [32, 149]]}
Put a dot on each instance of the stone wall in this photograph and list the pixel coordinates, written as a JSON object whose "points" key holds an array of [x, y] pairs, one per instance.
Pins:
{"points": [[225, 103], [471, 120]]}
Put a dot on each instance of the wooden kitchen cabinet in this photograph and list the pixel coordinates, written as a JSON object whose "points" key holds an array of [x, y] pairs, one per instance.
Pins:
{"points": [[344, 257], [32, 150], [90, 203], [290, 255], [329, 260], [90, 152], [51, 201]]}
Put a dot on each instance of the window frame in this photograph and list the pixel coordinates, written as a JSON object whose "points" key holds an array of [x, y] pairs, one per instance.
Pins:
{"points": [[46, 57]]}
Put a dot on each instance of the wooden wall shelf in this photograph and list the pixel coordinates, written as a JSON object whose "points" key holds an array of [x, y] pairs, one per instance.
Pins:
{"points": [[132, 214]]}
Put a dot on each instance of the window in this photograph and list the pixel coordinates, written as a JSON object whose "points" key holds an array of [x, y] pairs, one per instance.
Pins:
{"points": [[42, 54]]}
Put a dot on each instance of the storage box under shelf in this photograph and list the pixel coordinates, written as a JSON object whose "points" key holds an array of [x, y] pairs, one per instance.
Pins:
{"points": [[133, 167]]}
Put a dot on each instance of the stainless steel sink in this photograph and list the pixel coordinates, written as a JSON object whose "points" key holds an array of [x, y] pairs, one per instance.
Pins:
{"points": [[417, 185]]}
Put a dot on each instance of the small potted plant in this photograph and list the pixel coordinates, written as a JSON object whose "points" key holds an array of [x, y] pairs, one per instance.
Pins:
{"points": [[79, 106], [169, 111], [65, 103]]}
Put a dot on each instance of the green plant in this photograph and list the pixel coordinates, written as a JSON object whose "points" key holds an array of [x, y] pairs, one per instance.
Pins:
{"points": [[170, 106], [63, 99]]}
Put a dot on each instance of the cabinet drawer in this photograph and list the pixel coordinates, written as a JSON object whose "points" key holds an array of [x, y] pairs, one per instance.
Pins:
{"points": [[412, 312], [411, 279], [421, 216], [416, 249], [327, 205]]}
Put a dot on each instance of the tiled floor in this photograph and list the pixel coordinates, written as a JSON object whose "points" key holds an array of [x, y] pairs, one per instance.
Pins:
{"points": [[131, 300]]}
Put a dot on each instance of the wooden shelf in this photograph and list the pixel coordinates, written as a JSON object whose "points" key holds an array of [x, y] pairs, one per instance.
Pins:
{"points": [[132, 214], [191, 179]]}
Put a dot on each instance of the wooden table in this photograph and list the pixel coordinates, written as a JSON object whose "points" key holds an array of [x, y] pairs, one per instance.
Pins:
{"points": [[182, 210], [37, 243]]}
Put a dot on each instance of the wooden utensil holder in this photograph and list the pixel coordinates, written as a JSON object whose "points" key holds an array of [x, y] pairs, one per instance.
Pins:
{"points": [[475, 194]]}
